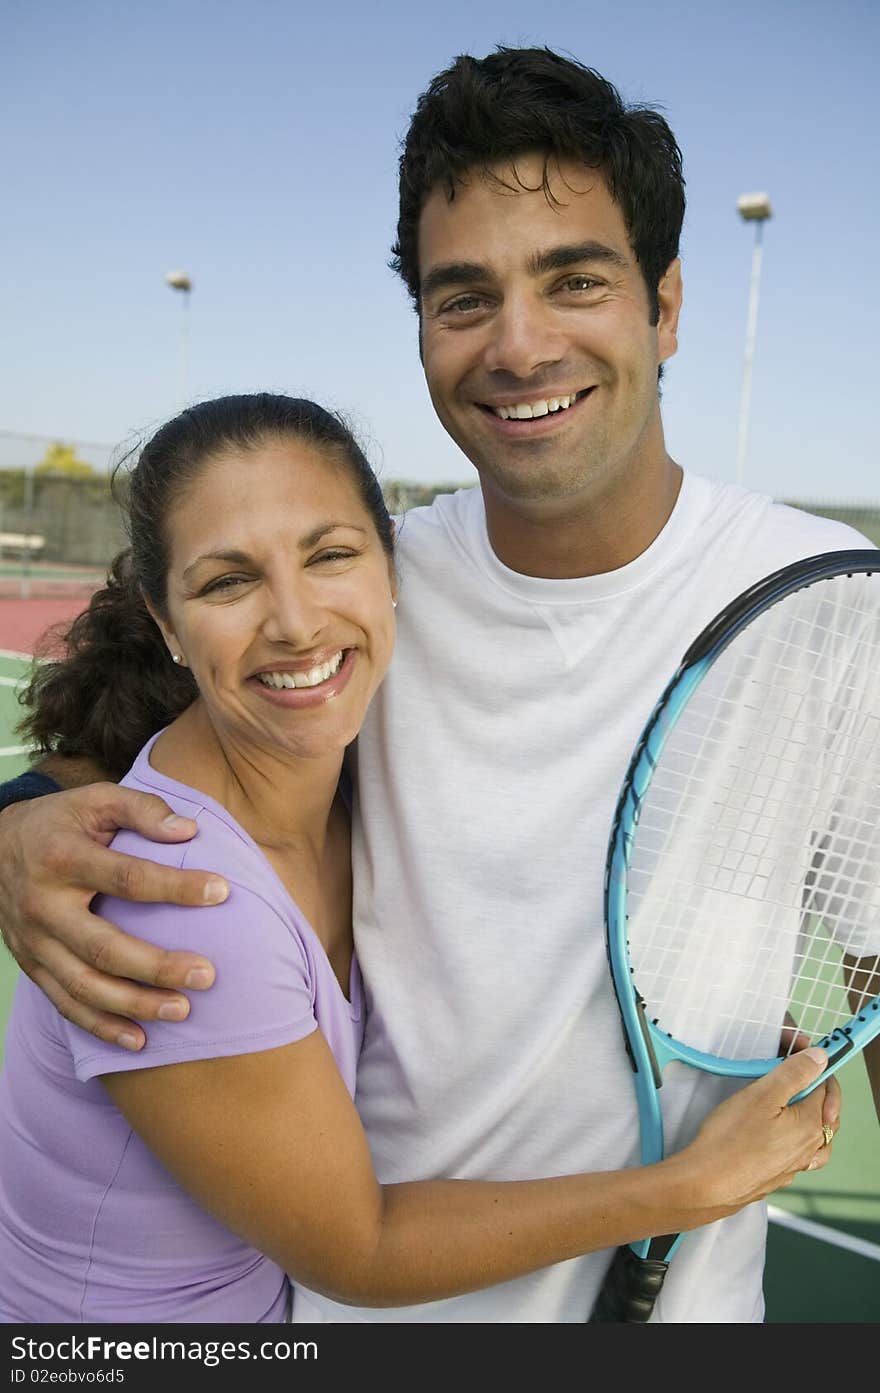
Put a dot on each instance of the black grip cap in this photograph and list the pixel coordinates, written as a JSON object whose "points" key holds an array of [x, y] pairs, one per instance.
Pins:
{"points": [[631, 1287]]}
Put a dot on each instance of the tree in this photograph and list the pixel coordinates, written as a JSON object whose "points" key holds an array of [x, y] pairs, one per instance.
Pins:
{"points": [[63, 459]]}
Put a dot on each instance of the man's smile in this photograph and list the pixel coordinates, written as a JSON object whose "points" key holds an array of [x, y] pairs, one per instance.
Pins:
{"points": [[528, 410], [538, 415]]}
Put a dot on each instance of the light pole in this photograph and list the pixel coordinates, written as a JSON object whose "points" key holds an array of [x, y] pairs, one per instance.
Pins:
{"points": [[752, 207], [180, 281]]}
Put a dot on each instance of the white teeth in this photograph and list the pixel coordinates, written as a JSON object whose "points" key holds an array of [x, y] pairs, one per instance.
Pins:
{"points": [[525, 411], [312, 678]]}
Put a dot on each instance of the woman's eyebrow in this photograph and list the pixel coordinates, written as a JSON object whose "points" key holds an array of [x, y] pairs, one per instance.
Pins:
{"points": [[325, 527], [241, 558]]}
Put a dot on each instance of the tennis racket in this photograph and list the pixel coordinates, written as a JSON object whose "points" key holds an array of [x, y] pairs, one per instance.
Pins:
{"points": [[742, 884]]}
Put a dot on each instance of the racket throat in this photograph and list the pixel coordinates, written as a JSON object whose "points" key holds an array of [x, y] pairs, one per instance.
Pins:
{"points": [[648, 1043]]}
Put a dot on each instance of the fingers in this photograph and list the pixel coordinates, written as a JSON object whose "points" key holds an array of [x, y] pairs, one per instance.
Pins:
{"points": [[64, 841], [106, 807], [113, 1029], [131, 878], [832, 1103], [823, 1154], [828, 1095], [798, 1073], [96, 984], [53, 859]]}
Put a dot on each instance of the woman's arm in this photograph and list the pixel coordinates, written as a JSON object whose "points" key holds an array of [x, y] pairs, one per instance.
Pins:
{"points": [[271, 1144]]}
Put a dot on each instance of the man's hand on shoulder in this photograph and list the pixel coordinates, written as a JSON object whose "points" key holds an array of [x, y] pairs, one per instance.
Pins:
{"points": [[54, 858]]}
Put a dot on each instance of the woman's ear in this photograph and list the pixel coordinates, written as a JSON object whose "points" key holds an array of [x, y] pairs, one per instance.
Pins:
{"points": [[167, 633]]}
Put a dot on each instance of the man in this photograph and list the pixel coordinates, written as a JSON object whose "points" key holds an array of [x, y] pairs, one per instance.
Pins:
{"points": [[540, 616]]}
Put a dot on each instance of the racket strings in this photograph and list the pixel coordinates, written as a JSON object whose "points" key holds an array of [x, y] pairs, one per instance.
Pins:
{"points": [[755, 862]]}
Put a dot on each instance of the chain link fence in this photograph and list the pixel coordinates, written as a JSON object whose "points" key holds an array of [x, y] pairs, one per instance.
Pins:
{"points": [[58, 534]]}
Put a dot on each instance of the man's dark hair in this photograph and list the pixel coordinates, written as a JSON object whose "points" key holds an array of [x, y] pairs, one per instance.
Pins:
{"points": [[484, 111]]}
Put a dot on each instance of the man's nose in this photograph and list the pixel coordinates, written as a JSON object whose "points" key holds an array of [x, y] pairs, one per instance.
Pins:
{"points": [[524, 337]]}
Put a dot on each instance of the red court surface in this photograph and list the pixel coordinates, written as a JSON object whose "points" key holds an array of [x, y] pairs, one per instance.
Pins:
{"points": [[23, 622]]}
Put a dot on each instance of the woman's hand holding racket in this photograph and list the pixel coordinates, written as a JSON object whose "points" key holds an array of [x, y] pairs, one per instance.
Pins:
{"points": [[758, 1140]]}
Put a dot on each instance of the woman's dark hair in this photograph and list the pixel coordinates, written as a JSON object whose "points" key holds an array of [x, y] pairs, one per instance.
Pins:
{"points": [[116, 684], [481, 112]]}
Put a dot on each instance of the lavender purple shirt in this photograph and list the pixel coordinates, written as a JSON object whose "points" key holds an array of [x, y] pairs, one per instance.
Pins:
{"points": [[92, 1227]]}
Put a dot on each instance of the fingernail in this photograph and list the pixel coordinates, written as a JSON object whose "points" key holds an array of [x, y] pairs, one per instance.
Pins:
{"points": [[814, 1165], [199, 977], [128, 1041], [215, 891], [172, 1011], [175, 823], [815, 1053]]}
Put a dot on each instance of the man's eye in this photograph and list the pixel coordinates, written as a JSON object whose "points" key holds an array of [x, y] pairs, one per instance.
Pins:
{"points": [[463, 304], [580, 282]]}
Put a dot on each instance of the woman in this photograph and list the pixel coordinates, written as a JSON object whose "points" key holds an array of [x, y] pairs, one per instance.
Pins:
{"points": [[250, 627]]}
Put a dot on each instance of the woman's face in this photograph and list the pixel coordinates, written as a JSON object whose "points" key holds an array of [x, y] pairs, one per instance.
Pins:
{"points": [[280, 597]]}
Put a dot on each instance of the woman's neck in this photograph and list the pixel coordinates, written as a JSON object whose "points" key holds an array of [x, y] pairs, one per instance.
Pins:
{"points": [[282, 801]]}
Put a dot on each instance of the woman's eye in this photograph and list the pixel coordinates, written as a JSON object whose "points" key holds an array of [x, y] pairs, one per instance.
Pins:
{"points": [[224, 584], [334, 554]]}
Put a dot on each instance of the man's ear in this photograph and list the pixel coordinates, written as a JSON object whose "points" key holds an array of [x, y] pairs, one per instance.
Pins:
{"points": [[392, 578], [669, 296]]}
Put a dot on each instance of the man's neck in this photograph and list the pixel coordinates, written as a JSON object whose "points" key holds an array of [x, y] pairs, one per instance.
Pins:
{"points": [[584, 536]]}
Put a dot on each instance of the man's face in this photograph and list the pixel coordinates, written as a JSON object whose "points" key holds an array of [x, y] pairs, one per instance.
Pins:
{"points": [[539, 354]]}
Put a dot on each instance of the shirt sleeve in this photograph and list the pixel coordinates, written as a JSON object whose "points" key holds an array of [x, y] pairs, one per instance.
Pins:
{"points": [[262, 997], [30, 784]]}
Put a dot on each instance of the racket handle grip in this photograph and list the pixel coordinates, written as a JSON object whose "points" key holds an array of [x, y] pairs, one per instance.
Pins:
{"points": [[631, 1287]]}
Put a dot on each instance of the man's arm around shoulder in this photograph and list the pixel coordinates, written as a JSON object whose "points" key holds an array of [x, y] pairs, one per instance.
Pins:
{"points": [[55, 857]]}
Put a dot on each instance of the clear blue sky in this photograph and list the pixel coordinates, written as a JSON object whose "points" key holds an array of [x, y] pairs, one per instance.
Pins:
{"points": [[254, 145]]}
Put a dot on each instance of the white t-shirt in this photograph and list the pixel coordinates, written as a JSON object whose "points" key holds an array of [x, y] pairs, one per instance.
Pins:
{"points": [[488, 772]]}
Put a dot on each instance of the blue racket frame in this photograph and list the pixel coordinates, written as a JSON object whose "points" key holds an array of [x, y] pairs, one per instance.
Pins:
{"points": [[649, 1048]]}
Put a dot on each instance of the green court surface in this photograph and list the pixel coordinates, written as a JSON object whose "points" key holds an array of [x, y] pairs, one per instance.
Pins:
{"points": [[13, 758], [823, 1262]]}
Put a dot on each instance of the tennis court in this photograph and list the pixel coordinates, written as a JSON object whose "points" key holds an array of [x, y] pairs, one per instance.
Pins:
{"points": [[824, 1249]]}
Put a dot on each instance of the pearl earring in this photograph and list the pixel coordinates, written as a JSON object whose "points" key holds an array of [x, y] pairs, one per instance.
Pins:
{"points": [[176, 658], [394, 604]]}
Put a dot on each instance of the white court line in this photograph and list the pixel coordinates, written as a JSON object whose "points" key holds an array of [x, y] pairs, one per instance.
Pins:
{"points": [[823, 1233], [11, 681], [12, 653], [9, 750]]}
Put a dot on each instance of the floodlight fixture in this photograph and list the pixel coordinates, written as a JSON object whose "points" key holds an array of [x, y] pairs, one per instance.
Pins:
{"points": [[178, 280], [754, 207]]}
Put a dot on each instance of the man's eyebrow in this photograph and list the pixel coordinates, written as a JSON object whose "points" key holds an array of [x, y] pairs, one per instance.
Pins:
{"points": [[241, 558], [461, 273], [453, 273], [574, 254]]}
